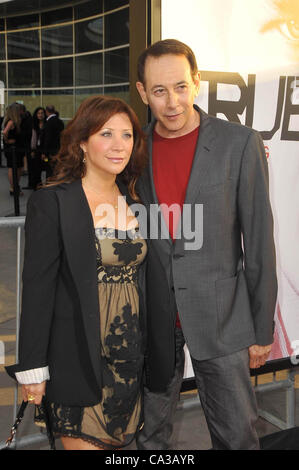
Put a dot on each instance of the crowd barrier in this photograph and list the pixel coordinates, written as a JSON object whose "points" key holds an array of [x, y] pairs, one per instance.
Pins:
{"points": [[18, 224]]}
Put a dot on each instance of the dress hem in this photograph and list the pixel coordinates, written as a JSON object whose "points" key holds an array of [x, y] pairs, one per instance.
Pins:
{"points": [[93, 440]]}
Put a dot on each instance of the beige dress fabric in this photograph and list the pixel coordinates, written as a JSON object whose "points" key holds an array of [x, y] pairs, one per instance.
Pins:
{"points": [[113, 422]]}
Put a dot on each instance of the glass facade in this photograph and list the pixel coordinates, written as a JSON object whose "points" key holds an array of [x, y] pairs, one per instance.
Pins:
{"points": [[2, 47], [61, 57], [89, 69], [89, 35], [23, 44], [57, 41], [21, 22], [24, 74]]}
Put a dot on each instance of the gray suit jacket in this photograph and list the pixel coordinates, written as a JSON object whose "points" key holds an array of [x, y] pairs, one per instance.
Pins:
{"points": [[225, 291]]}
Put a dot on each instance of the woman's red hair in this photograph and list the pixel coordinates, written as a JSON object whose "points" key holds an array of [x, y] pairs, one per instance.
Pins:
{"points": [[91, 116]]}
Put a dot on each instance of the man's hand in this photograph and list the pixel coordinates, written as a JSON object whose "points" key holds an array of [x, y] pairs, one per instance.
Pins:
{"points": [[258, 355]]}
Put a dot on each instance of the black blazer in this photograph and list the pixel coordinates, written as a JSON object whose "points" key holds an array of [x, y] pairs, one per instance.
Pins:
{"points": [[60, 320], [53, 128]]}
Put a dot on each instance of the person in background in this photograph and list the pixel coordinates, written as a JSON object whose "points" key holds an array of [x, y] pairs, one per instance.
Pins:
{"points": [[38, 129], [53, 128], [26, 134], [82, 337], [12, 139], [218, 296]]}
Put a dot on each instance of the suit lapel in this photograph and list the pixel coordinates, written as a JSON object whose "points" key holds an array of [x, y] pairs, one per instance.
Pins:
{"points": [[203, 157], [79, 243], [202, 164]]}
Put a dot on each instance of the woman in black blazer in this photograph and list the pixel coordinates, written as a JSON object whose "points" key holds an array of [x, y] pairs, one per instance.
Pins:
{"points": [[82, 323]]}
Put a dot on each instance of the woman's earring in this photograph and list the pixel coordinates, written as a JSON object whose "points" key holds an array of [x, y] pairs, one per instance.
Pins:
{"points": [[84, 159]]}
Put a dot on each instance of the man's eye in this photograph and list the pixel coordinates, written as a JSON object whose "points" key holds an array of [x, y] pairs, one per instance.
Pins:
{"points": [[159, 91]]}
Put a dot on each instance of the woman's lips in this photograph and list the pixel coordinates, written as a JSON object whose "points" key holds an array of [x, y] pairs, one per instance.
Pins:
{"points": [[116, 159]]}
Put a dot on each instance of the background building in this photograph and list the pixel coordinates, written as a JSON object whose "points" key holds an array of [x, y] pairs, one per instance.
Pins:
{"points": [[60, 52]]}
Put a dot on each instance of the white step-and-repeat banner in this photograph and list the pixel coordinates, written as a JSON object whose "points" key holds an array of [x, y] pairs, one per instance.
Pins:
{"points": [[248, 55]]}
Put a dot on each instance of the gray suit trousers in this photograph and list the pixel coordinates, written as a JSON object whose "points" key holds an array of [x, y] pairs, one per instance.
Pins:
{"points": [[227, 398]]}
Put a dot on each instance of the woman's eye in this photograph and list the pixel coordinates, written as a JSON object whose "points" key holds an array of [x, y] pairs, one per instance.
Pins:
{"points": [[106, 134], [290, 29], [128, 135], [286, 21]]}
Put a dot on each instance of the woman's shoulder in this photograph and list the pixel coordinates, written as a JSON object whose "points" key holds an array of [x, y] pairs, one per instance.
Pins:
{"points": [[42, 205], [44, 196], [47, 199], [53, 187], [52, 191]]}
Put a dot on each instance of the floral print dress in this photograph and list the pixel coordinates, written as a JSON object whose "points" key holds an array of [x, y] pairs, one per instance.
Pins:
{"points": [[113, 422]]}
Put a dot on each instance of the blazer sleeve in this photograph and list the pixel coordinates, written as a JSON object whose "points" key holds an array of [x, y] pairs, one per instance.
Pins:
{"points": [[256, 221], [40, 271]]}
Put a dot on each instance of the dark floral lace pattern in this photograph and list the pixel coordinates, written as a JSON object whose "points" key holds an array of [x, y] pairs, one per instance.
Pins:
{"points": [[63, 419], [126, 250], [114, 421], [117, 274], [122, 364], [66, 417]]}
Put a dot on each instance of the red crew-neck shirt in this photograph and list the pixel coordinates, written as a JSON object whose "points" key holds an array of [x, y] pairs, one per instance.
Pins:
{"points": [[172, 162]]}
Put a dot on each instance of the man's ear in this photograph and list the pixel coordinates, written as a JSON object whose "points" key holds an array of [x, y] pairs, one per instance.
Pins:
{"points": [[142, 92], [196, 80]]}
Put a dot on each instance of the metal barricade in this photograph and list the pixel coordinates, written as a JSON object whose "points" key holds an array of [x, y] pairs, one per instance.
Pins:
{"points": [[18, 223], [287, 384]]}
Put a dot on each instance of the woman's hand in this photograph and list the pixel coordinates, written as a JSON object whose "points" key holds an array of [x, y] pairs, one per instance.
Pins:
{"points": [[34, 390]]}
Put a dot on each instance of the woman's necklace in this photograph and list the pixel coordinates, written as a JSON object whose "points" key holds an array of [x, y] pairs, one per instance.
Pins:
{"points": [[101, 194]]}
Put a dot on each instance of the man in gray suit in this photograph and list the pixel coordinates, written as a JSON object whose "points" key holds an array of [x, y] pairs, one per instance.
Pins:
{"points": [[218, 296]]}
